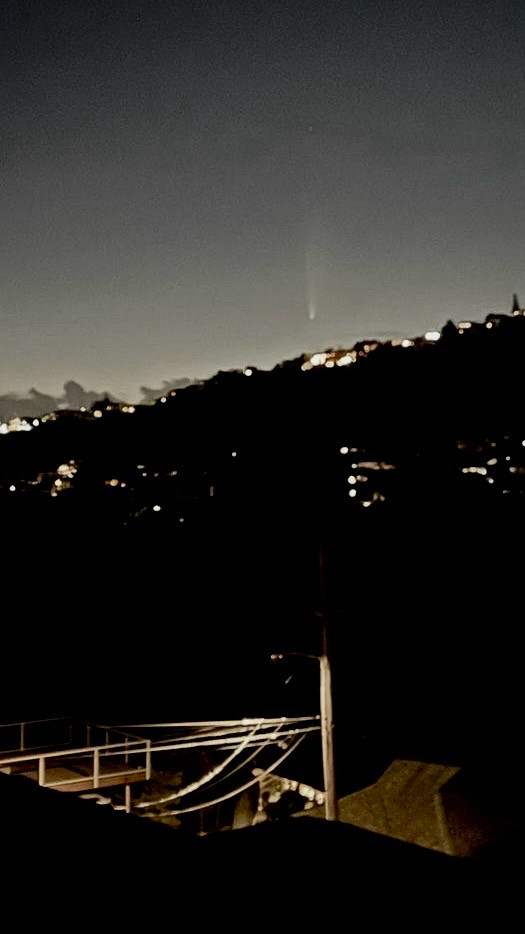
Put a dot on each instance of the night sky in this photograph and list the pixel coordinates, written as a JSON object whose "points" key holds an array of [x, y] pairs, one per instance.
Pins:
{"points": [[193, 186]]}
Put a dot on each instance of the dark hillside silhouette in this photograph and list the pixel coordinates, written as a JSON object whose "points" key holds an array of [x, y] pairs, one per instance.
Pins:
{"points": [[187, 534]]}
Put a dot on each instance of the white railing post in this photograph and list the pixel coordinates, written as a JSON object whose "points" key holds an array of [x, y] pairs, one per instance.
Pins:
{"points": [[96, 768], [148, 760], [41, 771]]}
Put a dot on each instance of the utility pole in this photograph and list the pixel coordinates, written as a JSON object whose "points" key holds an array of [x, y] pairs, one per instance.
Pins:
{"points": [[327, 729], [326, 709]]}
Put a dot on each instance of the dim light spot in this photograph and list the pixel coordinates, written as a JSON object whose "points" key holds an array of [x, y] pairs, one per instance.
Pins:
{"points": [[157, 508]]}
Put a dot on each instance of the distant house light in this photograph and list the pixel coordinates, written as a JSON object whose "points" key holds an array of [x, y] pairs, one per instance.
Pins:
{"points": [[431, 336], [163, 399], [492, 461], [318, 359], [234, 453], [352, 493], [97, 413], [345, 360], [12, 488], [157, 508], [248, 371], [465, 325], [407, 343], [343, 450], [352, 480], [36, 423]]}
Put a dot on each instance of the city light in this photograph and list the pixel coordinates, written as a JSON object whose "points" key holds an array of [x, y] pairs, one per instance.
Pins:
{"points": [[318, 359]]}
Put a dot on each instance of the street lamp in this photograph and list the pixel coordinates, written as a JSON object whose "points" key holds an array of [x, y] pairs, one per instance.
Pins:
{"points": [[327, 725]]}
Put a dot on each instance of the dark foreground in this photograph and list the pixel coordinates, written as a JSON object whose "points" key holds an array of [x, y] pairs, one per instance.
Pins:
{"points": [[78, 862]]}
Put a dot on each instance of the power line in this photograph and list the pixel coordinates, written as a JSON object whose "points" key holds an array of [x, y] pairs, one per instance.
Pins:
{"points": [[259, 747], [201, 781], [237, 791], [246, 721]]}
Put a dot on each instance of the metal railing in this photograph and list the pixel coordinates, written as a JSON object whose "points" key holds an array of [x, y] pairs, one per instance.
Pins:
{"points": [[96, 753], [24, 732]]}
